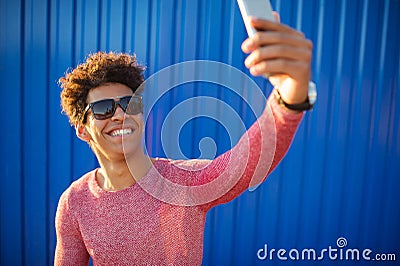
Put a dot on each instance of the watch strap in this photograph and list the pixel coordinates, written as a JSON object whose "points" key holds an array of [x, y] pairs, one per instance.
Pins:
{"points": [[308, 104]]}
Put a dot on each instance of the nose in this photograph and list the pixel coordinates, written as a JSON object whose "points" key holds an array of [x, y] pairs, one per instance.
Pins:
{"points": [[119, 114]]}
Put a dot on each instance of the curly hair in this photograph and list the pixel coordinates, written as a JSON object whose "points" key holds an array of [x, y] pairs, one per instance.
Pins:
{"points": [[100, 68]]}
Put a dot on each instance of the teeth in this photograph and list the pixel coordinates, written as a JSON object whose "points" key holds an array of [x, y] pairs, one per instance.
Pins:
{"points": [[120, 132]]}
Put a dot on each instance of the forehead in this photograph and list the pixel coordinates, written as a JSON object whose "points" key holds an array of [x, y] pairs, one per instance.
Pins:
{"points": [[108, 90]]}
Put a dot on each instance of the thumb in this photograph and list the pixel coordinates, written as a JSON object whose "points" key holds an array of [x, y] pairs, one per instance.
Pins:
{"points": [[276, 16]]}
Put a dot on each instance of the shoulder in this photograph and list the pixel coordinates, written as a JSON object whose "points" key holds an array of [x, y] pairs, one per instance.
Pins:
{"points": [[77, 190]]}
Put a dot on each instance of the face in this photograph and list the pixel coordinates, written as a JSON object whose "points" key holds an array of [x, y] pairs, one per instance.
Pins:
{"points": [[105, 136]]}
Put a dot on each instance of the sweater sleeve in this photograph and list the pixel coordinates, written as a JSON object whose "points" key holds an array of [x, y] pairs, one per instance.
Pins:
{"points": [[206, 183], [70, 248], [255, 156]]}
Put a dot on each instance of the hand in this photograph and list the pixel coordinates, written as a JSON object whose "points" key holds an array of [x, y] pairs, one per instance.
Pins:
{"points": [[282, 53]]}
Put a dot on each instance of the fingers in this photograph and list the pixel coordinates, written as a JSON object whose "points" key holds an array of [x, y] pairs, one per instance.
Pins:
{"points": [[266, 38], [272, 32], [267, 25], [297, 69], [276, 16], [277, 49]]}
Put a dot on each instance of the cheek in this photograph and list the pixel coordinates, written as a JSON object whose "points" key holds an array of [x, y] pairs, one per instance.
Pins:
{"points": [[141, 125], [136, 121], [139, 121], [97, 126]]}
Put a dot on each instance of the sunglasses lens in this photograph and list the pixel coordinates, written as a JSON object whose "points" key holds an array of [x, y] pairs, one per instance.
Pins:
{"points": [[103, 109], [106, 108], [134, 106], [124, 102]]}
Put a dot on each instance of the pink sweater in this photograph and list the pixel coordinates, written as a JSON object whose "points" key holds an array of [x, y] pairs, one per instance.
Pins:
{"points": [[160, 221]]}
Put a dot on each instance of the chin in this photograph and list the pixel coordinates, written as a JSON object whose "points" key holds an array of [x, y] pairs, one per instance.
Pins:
{"points": [[131, 150]]}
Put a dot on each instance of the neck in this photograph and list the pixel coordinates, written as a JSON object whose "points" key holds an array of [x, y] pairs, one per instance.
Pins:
{"points": [[115, 175]]}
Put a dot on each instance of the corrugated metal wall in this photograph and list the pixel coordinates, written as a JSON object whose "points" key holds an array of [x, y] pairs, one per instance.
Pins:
{"points": [[341, 177]]}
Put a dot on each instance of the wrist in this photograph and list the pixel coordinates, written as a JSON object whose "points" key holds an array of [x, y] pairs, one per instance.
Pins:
{"points": [[299, 102]]}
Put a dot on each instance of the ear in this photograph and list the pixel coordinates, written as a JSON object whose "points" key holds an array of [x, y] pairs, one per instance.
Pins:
{"points": [[82, 133]]}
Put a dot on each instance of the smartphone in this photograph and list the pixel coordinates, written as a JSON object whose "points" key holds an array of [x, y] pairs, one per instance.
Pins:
{"points": [[255, 8]]}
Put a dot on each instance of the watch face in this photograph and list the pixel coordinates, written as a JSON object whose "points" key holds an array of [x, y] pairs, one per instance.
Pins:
{"points": [[312, 93]]}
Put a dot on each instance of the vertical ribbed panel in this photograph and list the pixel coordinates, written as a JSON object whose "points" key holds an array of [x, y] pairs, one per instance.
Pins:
{"points": [[12, 194], [339, 179]]}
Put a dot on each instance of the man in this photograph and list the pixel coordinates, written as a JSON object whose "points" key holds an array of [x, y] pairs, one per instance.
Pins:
{"points": [[108, 215]]}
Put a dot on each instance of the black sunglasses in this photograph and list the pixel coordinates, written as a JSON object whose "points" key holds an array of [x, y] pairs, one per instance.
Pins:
{"points": [[104, 109]]}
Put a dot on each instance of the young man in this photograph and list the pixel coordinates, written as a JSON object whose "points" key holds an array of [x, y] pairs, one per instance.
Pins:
{"points": [[107, 215]]}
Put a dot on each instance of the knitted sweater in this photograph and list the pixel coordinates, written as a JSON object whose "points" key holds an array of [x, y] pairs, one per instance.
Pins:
{"points": [[160, 219]]}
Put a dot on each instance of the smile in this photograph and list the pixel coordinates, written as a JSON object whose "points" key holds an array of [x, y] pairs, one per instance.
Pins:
{"points": [[121, 132]]}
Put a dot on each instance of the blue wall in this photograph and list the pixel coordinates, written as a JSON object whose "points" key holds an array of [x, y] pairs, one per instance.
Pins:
{"points": [[341, 177]]}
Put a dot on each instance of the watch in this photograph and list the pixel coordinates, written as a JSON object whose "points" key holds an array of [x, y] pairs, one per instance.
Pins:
{"points": [[308, 104]]}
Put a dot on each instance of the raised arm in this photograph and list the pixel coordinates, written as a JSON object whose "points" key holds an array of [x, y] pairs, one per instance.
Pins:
{"points": [[284, 55]]}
